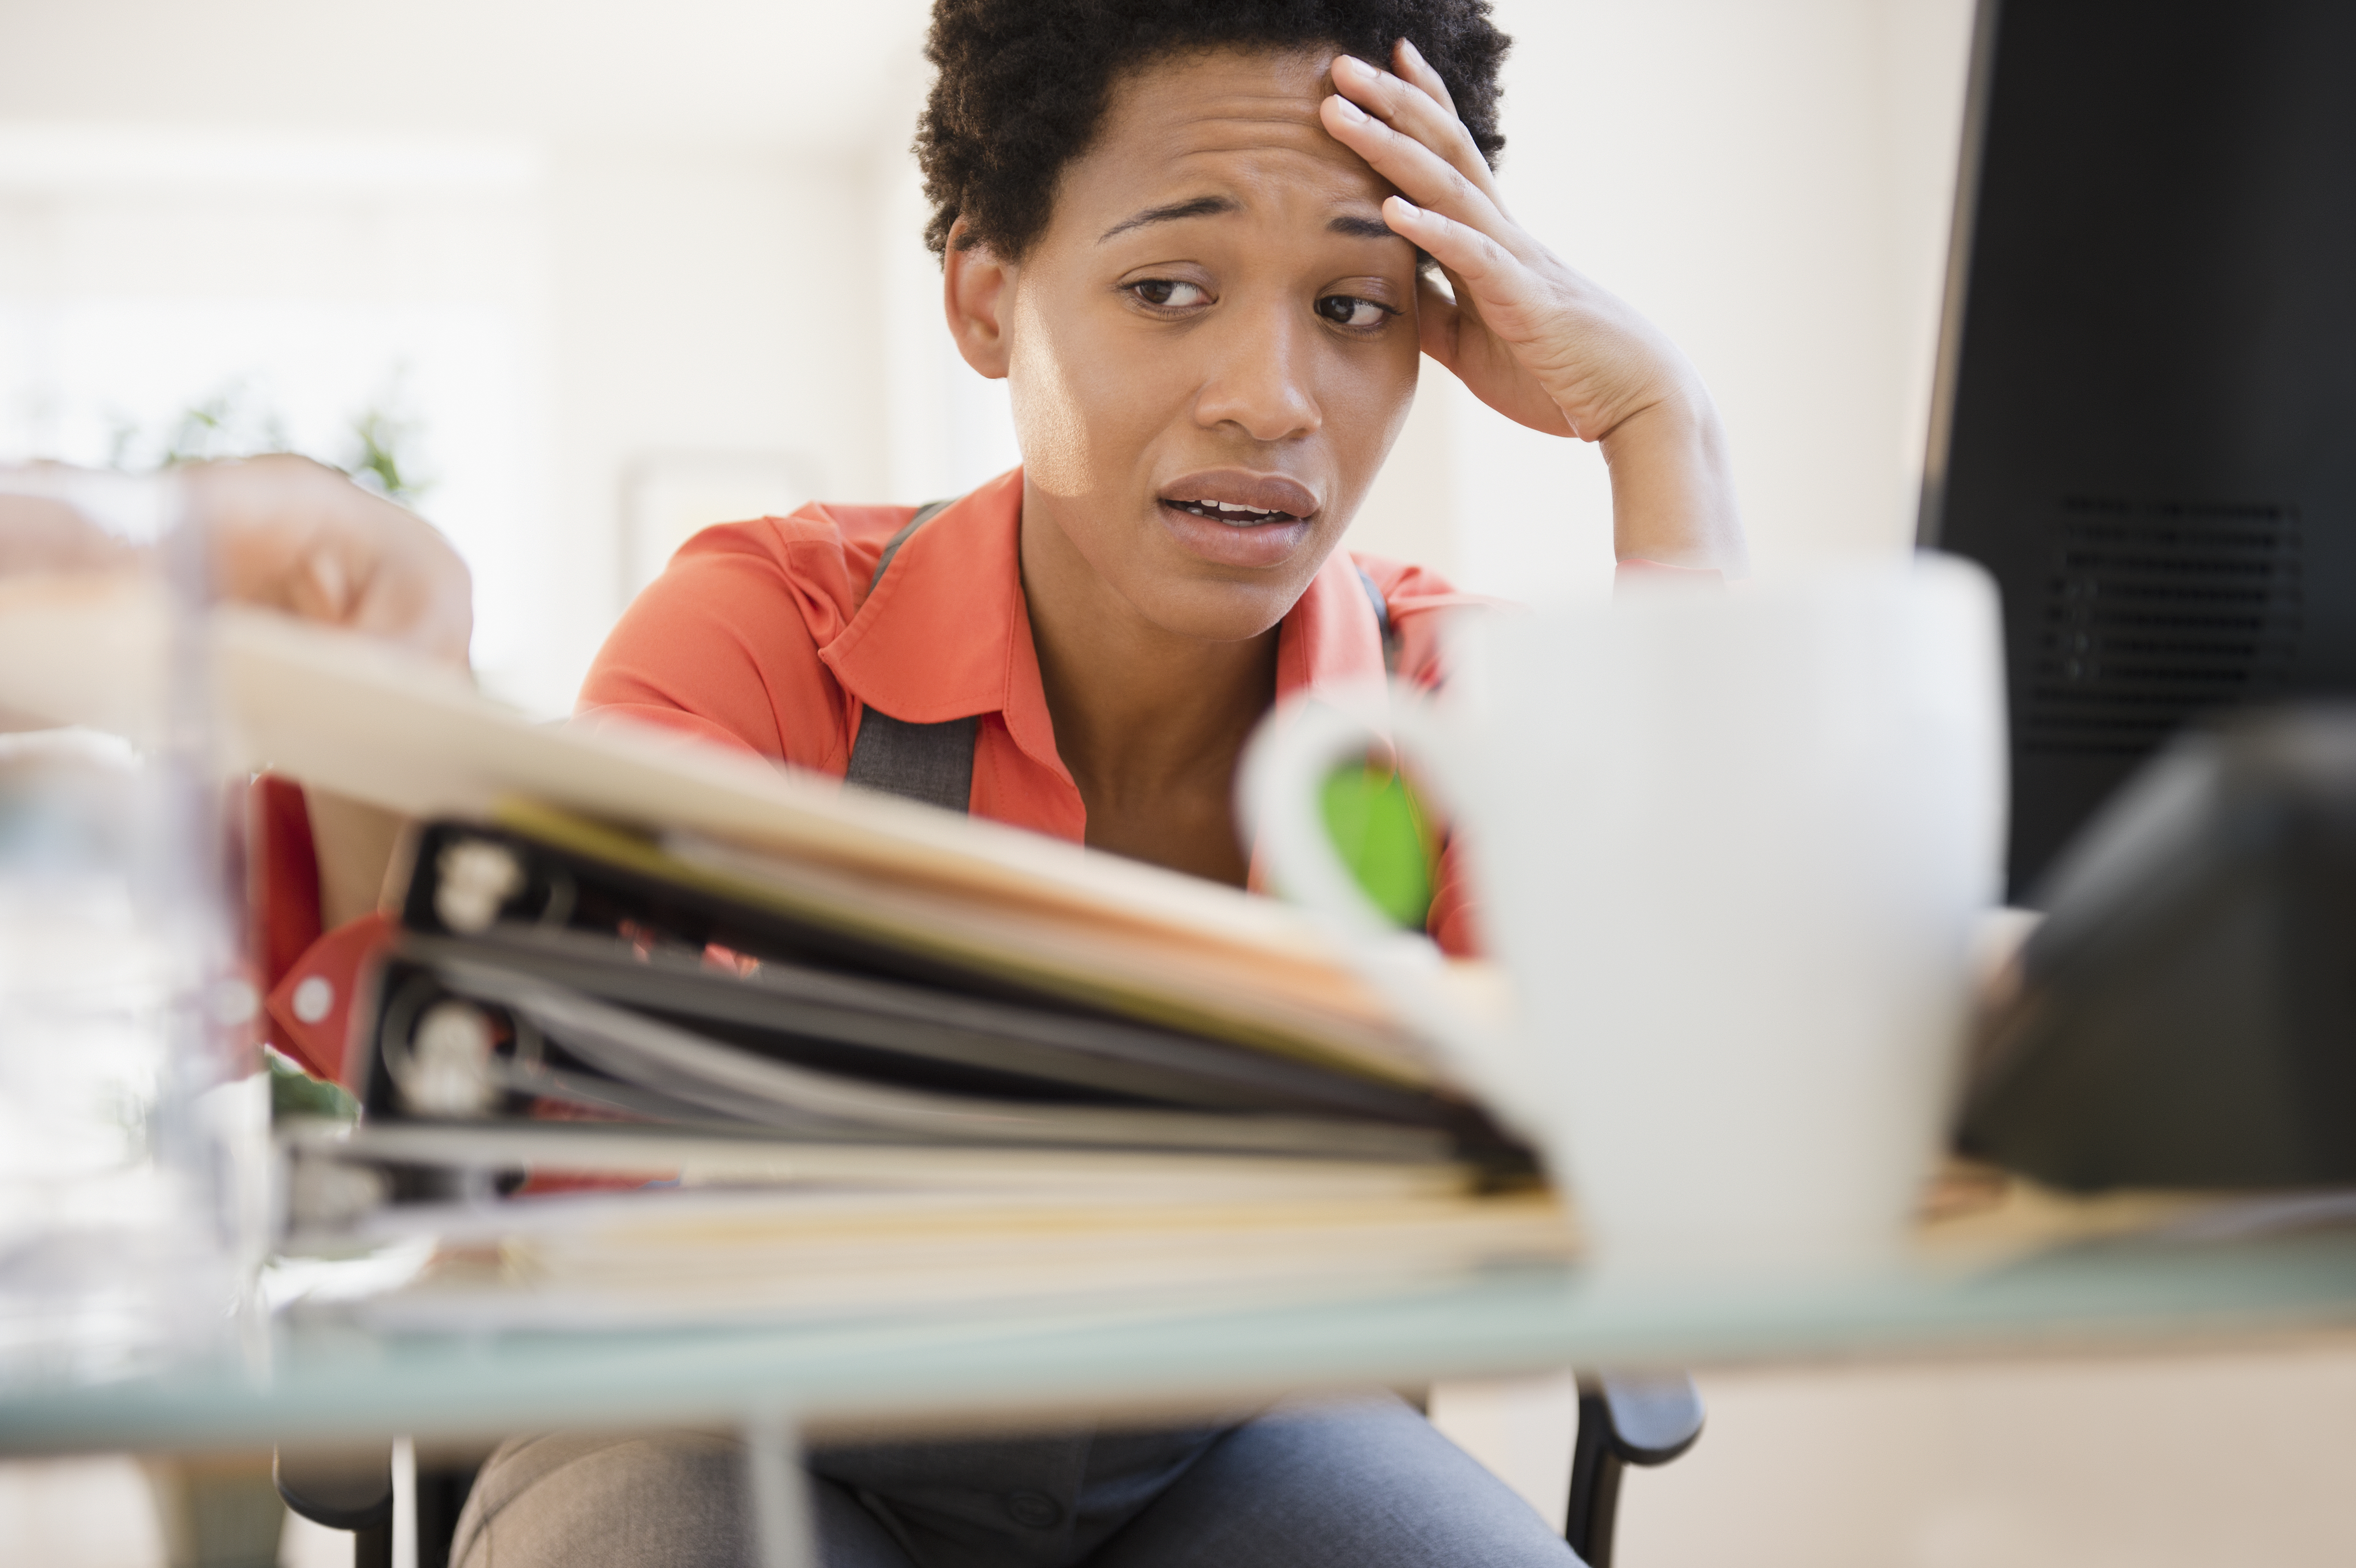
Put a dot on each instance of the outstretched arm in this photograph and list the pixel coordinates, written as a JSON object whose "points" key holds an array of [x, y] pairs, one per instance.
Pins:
{"points": [[288, 535], [1533, 339], [282, 532], [291, 535]]}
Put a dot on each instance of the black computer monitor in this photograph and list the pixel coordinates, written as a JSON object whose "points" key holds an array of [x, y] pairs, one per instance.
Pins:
{"points": [[2144, 420]]}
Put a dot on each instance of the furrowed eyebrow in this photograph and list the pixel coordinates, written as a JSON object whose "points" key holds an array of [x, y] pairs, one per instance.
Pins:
{"points": [[1201, 207], [1213, 206]]}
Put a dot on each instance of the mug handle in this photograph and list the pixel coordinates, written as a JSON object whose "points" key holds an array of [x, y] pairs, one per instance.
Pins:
{"points": [[1280, 781]]}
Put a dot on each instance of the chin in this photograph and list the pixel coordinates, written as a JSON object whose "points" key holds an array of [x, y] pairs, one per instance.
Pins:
{"points": [[1212, 609]]}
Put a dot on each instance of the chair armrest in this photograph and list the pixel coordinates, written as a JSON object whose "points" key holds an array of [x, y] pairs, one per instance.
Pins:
{"points": [[1623, 1419], [342, 1488], [1653, 1416]]}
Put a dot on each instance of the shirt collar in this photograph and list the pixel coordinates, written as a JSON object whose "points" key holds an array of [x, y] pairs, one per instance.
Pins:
{"points": [[1330, 639], [946, 633], [936, 638]]}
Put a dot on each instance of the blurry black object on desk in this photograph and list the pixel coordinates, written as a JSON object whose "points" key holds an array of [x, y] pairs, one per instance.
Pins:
{"points": [[2186, 1015]]}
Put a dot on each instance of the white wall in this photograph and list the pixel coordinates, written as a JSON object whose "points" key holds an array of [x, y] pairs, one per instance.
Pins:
{"points": [[1771, 184], [701, 304]]}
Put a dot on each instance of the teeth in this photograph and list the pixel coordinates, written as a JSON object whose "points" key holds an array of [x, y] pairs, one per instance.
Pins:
{"points": [[1228, 511]]}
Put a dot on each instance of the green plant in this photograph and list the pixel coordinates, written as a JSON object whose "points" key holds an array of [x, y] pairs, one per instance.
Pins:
{"points": [[233, 421], [378, 461]]}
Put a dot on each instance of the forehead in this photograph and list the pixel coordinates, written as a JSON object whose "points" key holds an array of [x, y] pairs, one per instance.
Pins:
{"points": [[1240, 123]]}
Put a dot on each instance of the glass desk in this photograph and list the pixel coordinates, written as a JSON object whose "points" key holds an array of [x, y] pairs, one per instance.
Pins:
{"points": [[321, 1381]]}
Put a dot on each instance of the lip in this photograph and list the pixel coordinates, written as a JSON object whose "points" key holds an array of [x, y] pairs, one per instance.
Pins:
{"points": [[1241, 487], [1238, 544]]}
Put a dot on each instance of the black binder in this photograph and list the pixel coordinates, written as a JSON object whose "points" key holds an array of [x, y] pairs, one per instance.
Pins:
{"points": [[583, 987]]}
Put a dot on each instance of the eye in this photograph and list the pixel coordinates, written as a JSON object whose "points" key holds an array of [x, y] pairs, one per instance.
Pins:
{"points": [[1170, 294], [1348, 310]]}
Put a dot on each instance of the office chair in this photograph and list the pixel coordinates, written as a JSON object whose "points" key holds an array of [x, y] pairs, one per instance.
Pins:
{"points": [[1645, 1419], [1623, 1420], [352, 1490]]}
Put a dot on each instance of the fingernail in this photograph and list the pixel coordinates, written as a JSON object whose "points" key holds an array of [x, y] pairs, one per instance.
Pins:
{"points": [[1350, 111], [1413, 53], [1356, 65]]}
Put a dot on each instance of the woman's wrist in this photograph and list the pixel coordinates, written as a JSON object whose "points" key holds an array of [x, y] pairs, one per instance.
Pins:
{"points": [[1673, 487]]}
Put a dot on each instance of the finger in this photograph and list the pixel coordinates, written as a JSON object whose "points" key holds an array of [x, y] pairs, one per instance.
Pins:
{"points": [[1413, 169], [299, 537], [1490, 280], [1408, 62], [1451, 333], [329, 581], [417, 590], [1438, 320], [428, 620], [1413, 112]]}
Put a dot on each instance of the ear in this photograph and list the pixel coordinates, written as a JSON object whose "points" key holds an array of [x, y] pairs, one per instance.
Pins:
{"points": [[976, 288]]}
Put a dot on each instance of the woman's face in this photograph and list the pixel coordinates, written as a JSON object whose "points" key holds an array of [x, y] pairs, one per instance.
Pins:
{"points": [[1212, 346]]}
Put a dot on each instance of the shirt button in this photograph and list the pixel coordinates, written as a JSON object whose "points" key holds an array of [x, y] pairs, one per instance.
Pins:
{"points": [[1034, 1511], [315, 998]]}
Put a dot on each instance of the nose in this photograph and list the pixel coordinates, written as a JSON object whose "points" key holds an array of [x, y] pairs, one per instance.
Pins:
{"points": [[1259, 377]]}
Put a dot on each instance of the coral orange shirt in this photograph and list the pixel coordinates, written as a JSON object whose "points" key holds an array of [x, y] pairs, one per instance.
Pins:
{"points": [[763, 635]]}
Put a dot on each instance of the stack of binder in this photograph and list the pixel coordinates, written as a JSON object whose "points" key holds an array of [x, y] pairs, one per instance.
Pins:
{"points": [[672, 1034], [619, 1083], [539, 969]]}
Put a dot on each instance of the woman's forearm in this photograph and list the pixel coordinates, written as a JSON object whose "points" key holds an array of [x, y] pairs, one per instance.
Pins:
{"points": [[355, 844], [41, 533], [1673, 488]]}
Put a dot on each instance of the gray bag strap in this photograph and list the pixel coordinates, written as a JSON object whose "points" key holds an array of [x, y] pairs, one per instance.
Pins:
{"points": [[928, 763], [1382, 621]]}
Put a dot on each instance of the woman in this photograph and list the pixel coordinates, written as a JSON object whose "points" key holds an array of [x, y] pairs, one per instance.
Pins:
{"points": [[1193, 238]]}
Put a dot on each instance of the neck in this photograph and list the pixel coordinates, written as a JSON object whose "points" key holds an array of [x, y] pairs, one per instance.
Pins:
{"points": [[1140, 713]]}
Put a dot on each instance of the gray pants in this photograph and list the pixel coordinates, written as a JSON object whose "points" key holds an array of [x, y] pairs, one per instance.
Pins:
{"points": [[1354, 1483]]}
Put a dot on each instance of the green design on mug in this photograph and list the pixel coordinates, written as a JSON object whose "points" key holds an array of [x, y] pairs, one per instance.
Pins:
{"points": [[1380, 831]]}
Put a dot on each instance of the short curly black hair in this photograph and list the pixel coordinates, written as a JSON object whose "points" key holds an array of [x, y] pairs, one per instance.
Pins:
{"points": [[1024, 84]]}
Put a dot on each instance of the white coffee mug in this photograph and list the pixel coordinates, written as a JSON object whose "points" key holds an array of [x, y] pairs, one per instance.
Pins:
{"points": [[1729, 848]]}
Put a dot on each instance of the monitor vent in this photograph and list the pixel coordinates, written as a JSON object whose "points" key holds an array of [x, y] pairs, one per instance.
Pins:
{"points": [[2154, 613]]}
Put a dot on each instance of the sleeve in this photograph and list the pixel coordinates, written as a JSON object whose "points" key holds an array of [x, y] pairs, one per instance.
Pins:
{"points": [[1454, 920], [308, 977], [312, 1006], [282, 876], [724, 645]]}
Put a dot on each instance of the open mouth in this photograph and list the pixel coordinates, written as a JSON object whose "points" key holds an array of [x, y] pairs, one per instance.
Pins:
{"points": [[1238, 517], [1235, 515]]}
